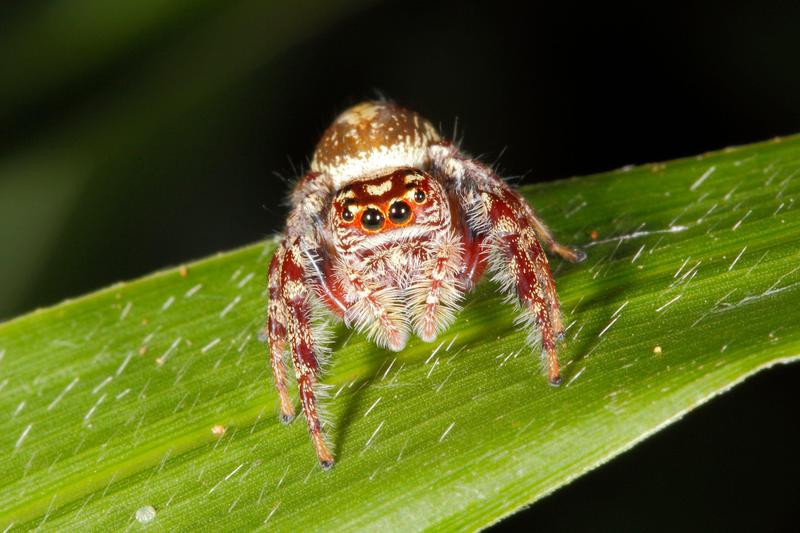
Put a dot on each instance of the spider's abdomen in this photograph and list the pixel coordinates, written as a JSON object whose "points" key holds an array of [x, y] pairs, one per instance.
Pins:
{"points": [[372, 137]]}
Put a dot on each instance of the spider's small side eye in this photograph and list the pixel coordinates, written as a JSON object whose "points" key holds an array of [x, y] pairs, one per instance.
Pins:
{"points": [[372, 219], [347, 213], [419, 196]]}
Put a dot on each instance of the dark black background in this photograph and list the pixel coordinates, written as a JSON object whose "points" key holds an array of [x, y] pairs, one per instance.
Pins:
{"points": [[559, 88]]}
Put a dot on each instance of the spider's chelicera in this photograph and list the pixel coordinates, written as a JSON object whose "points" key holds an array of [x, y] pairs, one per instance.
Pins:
{"points": [[388, 231]]}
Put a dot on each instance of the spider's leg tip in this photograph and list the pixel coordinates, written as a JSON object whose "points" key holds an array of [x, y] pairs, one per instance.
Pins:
{"points": [[326, 464], [580, 255], [555, 381], [286, 419], [263, 336]]}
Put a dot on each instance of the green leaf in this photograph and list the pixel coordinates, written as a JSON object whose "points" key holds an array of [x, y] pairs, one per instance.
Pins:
{"points": [[111, 400], [75, 156]]}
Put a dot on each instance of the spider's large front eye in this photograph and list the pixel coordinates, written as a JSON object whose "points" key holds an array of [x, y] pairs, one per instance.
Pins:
{"points": [[372, 219], [399, 212]]}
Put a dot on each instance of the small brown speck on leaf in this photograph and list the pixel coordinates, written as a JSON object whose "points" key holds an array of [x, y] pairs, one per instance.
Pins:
{"points": [[183, 271], [142, 350], [657, 350], [594, 234], [218, 430]]}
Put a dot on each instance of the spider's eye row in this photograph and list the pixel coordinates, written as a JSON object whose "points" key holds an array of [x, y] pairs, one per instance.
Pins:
{"points": [[419, 196], [372, 219], [399, 212]]}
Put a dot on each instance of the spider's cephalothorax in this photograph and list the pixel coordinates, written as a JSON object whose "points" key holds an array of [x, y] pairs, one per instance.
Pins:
{"points": [[388, 230]]}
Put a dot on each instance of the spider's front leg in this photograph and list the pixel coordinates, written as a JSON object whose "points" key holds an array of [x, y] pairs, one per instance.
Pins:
{"points": [[508, 228], [297, 277], [520, 266], [296, 295]]}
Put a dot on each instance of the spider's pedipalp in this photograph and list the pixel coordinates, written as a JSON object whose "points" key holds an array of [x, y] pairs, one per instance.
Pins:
{"points": [[435, 297], [377, 312]]}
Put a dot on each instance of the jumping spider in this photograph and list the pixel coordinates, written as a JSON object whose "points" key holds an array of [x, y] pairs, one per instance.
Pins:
{"points": [[389, 229]]}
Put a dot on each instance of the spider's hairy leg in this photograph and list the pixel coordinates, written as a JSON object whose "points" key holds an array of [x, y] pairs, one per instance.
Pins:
{"points": [[544, 275], [497, 213], [436, 295], [305, 347], [298, 273], [520, 266], [465, 173], [276, 333], [569, 253]]}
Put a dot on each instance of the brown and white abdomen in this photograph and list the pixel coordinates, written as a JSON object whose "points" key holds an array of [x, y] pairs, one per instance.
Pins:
{"points": [[372, 137]]}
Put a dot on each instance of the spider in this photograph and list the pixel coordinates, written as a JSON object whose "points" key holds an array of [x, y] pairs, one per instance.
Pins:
{"points": [[388, 231]]}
